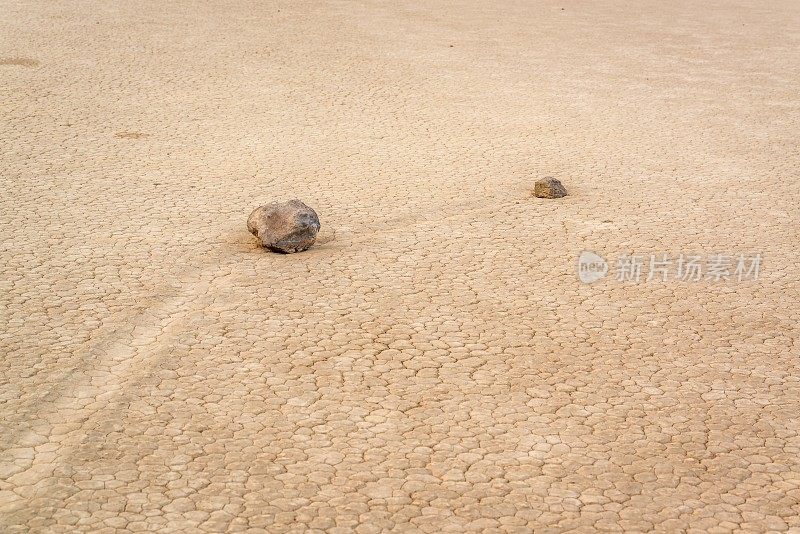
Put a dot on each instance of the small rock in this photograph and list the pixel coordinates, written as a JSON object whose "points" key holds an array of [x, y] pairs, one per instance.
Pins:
{"points": [[284, 226], [549, 188]]}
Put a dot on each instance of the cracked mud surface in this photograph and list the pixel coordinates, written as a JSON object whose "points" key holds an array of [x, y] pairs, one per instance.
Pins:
{"points": [[438, 366]]}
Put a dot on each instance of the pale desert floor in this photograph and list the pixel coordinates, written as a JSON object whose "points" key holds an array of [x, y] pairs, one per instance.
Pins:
{"points": [[433, 364]]}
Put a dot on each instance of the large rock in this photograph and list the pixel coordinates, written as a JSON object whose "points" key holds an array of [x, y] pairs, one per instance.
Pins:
{"points": [[284, 226], [549, 188]]}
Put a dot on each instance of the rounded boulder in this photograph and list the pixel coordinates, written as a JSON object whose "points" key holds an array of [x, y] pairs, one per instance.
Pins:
{"points": [[284, 226]]}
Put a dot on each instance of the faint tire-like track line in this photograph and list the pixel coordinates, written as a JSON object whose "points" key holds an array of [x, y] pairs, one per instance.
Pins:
{"points": [[109, 365]]}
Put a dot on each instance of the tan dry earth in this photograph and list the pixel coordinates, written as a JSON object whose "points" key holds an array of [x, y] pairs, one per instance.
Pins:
{"points": [[434, 364]]}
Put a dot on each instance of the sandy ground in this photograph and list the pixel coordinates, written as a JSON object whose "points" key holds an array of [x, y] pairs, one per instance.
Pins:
{"points": [[434, 363]]}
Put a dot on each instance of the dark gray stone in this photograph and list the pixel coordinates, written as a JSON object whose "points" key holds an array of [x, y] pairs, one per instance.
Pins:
{"points": [[284, 226], [549, 188]]}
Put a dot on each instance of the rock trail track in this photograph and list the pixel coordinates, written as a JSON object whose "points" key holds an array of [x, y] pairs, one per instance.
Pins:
{"points": [[433, 364]]}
